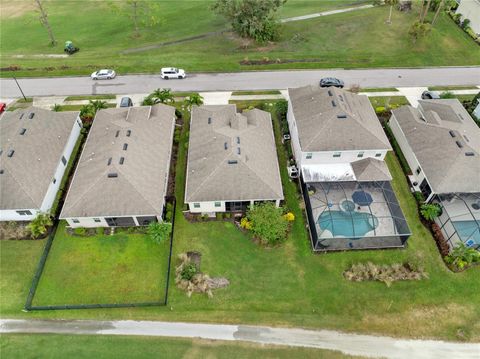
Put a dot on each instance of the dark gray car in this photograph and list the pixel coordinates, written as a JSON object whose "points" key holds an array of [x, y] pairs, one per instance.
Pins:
{"points": [[331, 81], [126, 102], [429, 95]]}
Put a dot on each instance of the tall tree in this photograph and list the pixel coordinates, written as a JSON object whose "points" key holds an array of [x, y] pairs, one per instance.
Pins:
{"points": [[44, 21], [162, 96], [418, 29], [392, 3], [426, 11], [440, 6], [140, 12], [194, 100], [251, 18]]}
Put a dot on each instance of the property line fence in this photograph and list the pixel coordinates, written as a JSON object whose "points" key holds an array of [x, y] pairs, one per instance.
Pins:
{"points": [[43, 259]]}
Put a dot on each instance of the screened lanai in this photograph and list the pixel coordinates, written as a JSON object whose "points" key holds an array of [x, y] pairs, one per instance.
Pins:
{"points": [[460, 218], [354, 215]]}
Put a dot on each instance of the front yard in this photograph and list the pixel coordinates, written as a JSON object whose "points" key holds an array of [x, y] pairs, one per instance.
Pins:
{"points": [[122, 268], [284, 286]]}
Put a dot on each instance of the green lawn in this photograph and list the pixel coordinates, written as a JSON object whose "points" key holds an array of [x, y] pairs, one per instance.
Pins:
{"points": [[383, 101], [355, 39], [122, 268], [91, 97], [21, 346], [289, 285]]}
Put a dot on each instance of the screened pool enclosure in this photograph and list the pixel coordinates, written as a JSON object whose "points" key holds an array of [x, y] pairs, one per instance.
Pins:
{"points": [[460, 218], [354, 215]]}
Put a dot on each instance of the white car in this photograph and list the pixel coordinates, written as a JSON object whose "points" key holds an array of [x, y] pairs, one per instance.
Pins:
{"points": [[172, 73], [104, 74]]}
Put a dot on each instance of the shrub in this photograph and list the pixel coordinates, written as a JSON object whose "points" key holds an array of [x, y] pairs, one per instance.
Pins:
{"points": [[419, 197], [465, 24], [380, 109], [289, 217], [219, 215], [227, 215], [169, 212], [245, 223], [430, 211], [384, 273], [176, 135], [178, 113], [188, 271], [80, 231], [268, 223], [462, 257], [100, 231], [38, 226], [447, 94], [442, 244], [159, 231], [204, 217], [281, 109]]}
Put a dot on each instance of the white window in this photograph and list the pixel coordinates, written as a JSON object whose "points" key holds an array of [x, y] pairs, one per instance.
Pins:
{"points": [[360, 154], [337, 154], [218, 204], [74, 220], [54, 181], [418, 170], [378, 154], [64, 160], [24, 213], [196, 205], [309, 155], [97, 220]]}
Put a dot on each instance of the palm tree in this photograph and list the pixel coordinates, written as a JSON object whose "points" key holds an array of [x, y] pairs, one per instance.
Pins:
{"points": [[427, 7], [194, 100], [87, 112], [56, 108], [149, 101], [391, 3], [439, 7], [430, 211], [163, 95], [98, 105]]}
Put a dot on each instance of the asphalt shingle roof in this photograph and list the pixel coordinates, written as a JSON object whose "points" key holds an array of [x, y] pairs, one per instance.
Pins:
{"points": [[445, 164], [231, 156], [332, 119], [28, 173], [140, 183]]}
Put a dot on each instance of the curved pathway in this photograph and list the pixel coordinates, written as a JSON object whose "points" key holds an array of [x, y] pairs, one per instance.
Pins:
{"points": [[351, 344]]}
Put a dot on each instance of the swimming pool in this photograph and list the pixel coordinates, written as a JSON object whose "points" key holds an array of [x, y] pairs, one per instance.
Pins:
{"points": [[354, 225], [467, 230]]}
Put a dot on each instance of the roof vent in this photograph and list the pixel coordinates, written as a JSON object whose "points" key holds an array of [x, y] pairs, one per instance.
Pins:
{"points": [[334, 104], [10, 153], [117, 133], [209, 120], [30, 116], [341, 97], [225, 145], [238, 150], [21, 116], [238, 140], [1, 151], [469, 154], [452, 133], [459, 144], [112, 175], [22, 131], [125, 146], [330, 93], [342, 115], [461, 117], [122, 159], [232, 162], [1, 172], [109, 161], [129, 132]]}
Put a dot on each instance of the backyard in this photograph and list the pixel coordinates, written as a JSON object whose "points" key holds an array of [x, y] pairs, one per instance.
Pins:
{"points": [[353, 39], [120, 268], [284, 286]]}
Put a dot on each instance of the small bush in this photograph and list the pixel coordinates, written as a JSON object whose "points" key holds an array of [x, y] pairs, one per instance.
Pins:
{"points": [[80, 231], [289, 217], [430, 211], [100, 231], [39, 225], [219, 215], [380, 109], [419, 197], [204, 217], [281, 109], [188, 271], [227, 215], [178, 113], [384, 273], [159, 231], [268, 223], [442, 244], [169, 212], [462, 257], [465, 24], [245, 223]]}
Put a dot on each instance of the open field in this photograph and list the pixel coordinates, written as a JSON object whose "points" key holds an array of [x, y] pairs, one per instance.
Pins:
{"points": [[288, 285], [350, 40], [122, 268], [86, 346]]}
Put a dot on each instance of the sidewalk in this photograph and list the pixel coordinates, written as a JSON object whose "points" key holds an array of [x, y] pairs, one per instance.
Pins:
{"points": [[325, 13]]}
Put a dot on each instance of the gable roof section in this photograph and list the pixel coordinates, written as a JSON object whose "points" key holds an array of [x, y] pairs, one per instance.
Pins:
{"points": [[332, 119], [371, 169], [219, 135], [445, 164], [28, 173], [139, 187]]}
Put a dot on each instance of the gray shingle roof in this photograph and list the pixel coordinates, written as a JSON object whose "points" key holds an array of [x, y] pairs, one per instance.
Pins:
{"points": [[371, 169], [444, 163], [332, 119], [247, 141], [140, 185], [29, 172]]}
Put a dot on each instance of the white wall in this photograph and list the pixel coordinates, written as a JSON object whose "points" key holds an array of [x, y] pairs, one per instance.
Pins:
{"points": [[470, 9], [206, 207], [345, 156], [89, 222], [60, 171], [12, 215], [295, 140]]}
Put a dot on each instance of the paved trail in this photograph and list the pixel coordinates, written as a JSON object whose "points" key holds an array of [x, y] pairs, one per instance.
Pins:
{"points": [[352, 344]]}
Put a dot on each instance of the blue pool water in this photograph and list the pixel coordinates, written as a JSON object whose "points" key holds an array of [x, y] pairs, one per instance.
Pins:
{"points": [[467, 230], [343, 224]]}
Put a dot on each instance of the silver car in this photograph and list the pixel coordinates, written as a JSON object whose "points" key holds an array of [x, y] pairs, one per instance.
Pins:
{"points": [[104, 74]]}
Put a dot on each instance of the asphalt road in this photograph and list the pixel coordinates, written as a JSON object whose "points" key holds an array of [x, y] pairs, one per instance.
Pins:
{"points": [[351, 344], [259, 80]]}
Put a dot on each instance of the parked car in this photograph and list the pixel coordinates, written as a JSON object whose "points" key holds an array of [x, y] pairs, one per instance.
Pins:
{"points": [[3, 106], [104, 74], [172, 73], [331, 81], [126, 102], [429, 95]]}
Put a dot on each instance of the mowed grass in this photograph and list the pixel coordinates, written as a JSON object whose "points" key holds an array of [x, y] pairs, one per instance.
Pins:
{"points": [[23, 346], [122, 268], [291, 286], [354, 39]]}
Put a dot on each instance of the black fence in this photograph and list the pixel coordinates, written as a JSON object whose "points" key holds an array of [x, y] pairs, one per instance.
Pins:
{"points": [[43, 259]]}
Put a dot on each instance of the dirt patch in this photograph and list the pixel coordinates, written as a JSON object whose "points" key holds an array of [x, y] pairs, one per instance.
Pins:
{"points": [[13, 9]]}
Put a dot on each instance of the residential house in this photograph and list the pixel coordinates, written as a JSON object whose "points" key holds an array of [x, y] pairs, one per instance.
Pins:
{"points": [[232, 160], [339, 146], [122, 176], [35, 147], [441, 144], [470, 9]]}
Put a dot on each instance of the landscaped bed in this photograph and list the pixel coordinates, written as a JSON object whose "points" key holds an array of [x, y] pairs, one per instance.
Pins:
{"points": [[119, 268]]}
